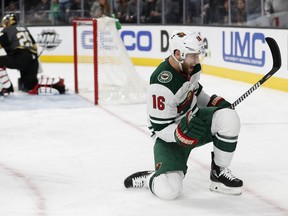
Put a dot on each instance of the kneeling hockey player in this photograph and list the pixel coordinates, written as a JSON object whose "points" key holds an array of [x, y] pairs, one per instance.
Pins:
{"points": [[182, 117], [21, 50]]}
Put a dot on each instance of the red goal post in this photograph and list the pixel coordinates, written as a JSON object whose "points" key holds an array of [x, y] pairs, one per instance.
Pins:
{"points": [[115, 79], [95, 49]]}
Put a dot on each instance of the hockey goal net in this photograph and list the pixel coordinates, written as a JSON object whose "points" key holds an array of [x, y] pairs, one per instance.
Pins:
{"points": [[103, 71]]}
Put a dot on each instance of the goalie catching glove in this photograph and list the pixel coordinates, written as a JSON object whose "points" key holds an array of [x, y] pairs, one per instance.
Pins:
{"points": [[218, 101], [190, 130]]}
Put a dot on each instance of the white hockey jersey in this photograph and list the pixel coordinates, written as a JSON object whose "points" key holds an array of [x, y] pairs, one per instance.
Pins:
{"points": [[170, 95]]}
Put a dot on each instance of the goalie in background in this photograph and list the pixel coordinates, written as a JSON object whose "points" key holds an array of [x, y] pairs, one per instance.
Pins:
{"points": [[182, 117], [21, 50]]}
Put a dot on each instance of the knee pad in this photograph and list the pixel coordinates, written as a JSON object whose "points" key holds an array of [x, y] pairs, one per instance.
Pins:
{"points": [[168, 185], [225, 122]]}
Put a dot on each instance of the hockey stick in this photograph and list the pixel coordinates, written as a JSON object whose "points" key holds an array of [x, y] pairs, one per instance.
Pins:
{"points": [[276, 56], [43, 48]]}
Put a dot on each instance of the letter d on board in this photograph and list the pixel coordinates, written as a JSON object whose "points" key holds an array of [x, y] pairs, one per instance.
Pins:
{"points": [[164, 41]]}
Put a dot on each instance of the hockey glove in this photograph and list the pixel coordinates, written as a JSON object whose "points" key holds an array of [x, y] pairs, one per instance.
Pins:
{"points": [[218, 101], [190, 130]]}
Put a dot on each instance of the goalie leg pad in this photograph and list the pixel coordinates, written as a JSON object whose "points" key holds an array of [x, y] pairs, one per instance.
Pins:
{"points": [[49, 85], [6, 86], [167, 186], [4, 78]]}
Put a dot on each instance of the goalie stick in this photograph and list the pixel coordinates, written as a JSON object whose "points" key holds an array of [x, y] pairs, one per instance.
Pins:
{"points": [[43, 48], [276, 56]]}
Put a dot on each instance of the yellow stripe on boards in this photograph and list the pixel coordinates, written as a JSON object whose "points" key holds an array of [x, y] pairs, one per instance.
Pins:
{"points": [[57, 59], [273, 82], [146, 61]]}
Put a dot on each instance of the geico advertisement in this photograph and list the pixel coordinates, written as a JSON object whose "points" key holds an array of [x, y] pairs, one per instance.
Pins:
{"points": [[236, 48], [145, 42]]}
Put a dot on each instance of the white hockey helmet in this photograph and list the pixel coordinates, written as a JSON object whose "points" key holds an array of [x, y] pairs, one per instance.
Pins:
{"points": [[186, 42]]}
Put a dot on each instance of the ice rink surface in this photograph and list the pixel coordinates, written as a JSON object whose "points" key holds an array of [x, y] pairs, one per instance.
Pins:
{"points": [[62, 156]]}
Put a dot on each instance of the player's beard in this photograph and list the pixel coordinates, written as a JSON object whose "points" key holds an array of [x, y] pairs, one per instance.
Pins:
{"points": [[187, 69]]}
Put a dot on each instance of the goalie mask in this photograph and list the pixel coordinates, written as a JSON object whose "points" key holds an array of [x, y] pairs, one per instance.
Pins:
{"points": [[186, 42], [8, 20]]}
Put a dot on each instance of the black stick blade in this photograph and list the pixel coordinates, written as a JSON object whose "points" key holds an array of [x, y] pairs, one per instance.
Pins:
{"points": [[275, 51]]}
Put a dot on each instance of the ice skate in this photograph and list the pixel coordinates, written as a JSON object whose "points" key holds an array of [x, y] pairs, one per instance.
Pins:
{"points": [[137, 180], [223, 181]]}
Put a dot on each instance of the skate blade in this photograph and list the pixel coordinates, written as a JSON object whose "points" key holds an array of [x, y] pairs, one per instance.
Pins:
{"points": [[221, 188]]}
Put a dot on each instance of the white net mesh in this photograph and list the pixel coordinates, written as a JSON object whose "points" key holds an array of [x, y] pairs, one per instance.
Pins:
{"points": [[118, 80]]}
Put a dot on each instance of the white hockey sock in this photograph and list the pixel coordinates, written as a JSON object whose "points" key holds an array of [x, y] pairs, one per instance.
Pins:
{"points": [[4, 79]]}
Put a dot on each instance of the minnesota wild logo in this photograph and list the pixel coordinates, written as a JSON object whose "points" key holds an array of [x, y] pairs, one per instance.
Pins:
{"points": [[158, 166], [165, 77]]}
